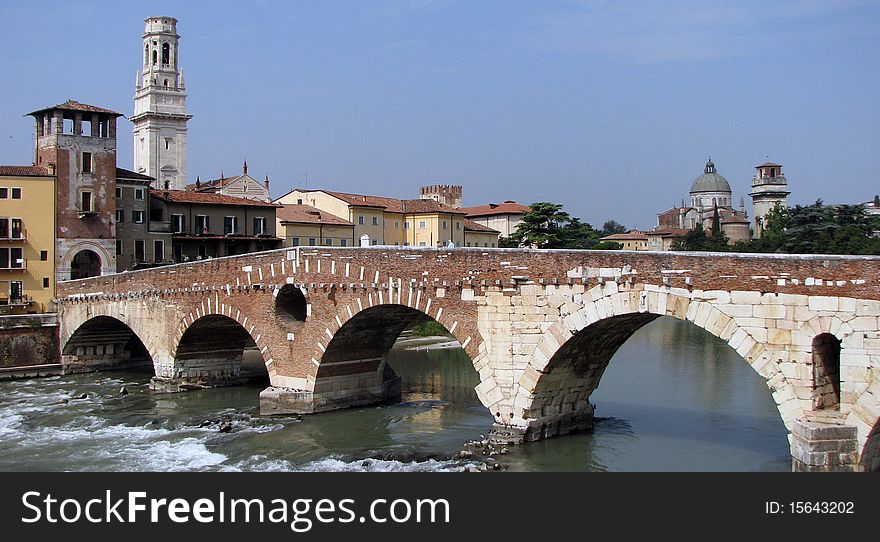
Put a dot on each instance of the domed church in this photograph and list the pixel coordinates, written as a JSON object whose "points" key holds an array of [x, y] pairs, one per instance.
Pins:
{"points": [[709, 191]]}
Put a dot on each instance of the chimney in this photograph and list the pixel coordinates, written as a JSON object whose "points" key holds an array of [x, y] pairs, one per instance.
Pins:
{"points": [[198, 182], [267, 182], [244, 168]]}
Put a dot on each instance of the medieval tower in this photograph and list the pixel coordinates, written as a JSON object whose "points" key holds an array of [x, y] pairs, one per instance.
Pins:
{"points": [[769, 188], [160, 115]]}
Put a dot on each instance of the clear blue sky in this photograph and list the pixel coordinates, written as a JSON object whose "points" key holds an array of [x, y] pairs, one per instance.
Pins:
{"points": [[608, 107]]}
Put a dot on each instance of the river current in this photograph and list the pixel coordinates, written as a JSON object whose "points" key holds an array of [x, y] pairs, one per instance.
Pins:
{"points": [[673, 398]]}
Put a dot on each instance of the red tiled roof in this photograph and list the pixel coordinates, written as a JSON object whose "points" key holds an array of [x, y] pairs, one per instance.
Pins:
{"points": [[203, 198], [470, 225], [634, 235], [308, 215], [506, 208], [392, 205], [24, 171], [128, 174], [73, 105], [769, 164], [668, 232]]}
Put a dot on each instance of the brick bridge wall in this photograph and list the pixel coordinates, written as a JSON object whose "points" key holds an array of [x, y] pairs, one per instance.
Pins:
{"points": [[540, 326]]}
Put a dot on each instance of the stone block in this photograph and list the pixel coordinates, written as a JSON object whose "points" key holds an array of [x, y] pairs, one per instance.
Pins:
{"points": [[823, 303]]}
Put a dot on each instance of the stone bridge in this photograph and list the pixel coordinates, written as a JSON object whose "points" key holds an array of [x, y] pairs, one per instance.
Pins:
{"points": [[539, 326]]}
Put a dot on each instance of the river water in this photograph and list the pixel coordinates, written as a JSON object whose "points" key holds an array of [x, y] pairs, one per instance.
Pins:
{"points": [[673, 398]]}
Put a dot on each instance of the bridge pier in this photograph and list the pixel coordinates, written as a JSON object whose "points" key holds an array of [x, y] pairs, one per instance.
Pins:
{"points": [[824, 447], [209, 369], [539, 429], [352, 384]]}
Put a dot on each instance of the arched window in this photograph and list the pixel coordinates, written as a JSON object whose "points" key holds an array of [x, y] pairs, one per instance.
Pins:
{"points": [[773, 172], [826, 372], [166, 82], [146, 54], [155, 57], [166, 54]]}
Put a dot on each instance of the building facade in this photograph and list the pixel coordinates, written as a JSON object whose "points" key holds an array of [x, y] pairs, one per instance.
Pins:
{"points": [[388, 221], [502, 217], [78, 142], [212, 225], [143, 237], [304, 225], [239, 186], [27, 239], [160, 114], [631, 240]]}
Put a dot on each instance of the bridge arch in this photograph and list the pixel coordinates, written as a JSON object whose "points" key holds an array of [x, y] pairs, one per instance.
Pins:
{"points": [[567, 365], [351, 370], [102, 343], [209, 353]]}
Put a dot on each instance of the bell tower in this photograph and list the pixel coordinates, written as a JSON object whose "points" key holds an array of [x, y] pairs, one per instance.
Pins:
{"points": [[160, 115], [769, 188]]}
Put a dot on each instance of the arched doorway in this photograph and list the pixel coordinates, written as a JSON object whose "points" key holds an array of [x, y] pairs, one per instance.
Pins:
{"points": [[84, 265]]}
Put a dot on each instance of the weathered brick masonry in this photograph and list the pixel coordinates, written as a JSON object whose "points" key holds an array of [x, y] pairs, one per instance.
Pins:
{"points": [[540, 326]]}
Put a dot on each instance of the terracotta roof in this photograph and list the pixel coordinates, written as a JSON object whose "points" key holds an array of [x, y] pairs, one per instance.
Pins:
{"points": [[393, 205], [507, 208], [217, 183], [186, 196], [668, 232], [769, 164], [73, 105], [634, 235], [24, 171], [674, 211], [307, 214], [128, 174], [470, 225]]}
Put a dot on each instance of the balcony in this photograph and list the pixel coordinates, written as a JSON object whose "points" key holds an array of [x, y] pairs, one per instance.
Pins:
{"points": [[10, 304], [17, 265], [13, 236]]}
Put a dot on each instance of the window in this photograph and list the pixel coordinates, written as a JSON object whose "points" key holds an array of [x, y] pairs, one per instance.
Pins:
{"points": [[375, 220], [16, 193], [118, 247], [120, 216], [4, 193], [16, 259], [45, 282], [230, 249], [422, 243], [139, 255], [103, 128], [343, 242], [203, 225], [85, 128], [158, 251], [137, 217], [230, 225], [299, 202], [44, 255], [85, 201], [4, 258], [328, 242], [16, 290], [118, 192], [17, 229], [406, 225], [445, 225], [178, 223], [312, 241], [375, 242], [422, 224], [167, 139], [458, 225], [295, 241], [259, 225], [139, 193], [203, 252], [360, 220], [166, 54], [4, 228], [87, 162]]}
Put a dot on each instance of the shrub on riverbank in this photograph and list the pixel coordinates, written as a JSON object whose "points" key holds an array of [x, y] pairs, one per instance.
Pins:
{"points": [[429, 329]]}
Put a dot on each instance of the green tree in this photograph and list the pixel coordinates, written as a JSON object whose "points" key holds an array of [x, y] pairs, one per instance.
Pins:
{"points": [[611, 227], [542, 227]]}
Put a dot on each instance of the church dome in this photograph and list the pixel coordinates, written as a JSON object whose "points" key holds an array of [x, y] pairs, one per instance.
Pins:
{"points": [[710, 181]]}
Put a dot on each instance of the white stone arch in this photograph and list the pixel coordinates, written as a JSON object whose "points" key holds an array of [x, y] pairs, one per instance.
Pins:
{"points": [[660, 301], [108, 261], [74, 315]]}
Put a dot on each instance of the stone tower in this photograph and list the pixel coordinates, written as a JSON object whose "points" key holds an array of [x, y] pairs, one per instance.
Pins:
{"points": [[444, 193], [769, 188], [78, 143], [160, 107]]}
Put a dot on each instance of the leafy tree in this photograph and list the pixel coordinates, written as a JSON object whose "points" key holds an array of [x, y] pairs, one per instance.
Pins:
{"points": [[579, 235], [542, 226], [611, 227], [607, 245]]}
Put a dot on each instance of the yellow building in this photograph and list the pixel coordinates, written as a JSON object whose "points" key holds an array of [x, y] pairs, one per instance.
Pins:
{"points": [[27, 239], [387, 221], [478, 235], [304, 225], [631, 240]]}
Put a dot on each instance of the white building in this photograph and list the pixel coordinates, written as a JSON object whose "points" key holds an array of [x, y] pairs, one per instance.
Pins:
{"points": [[160, 115]]}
